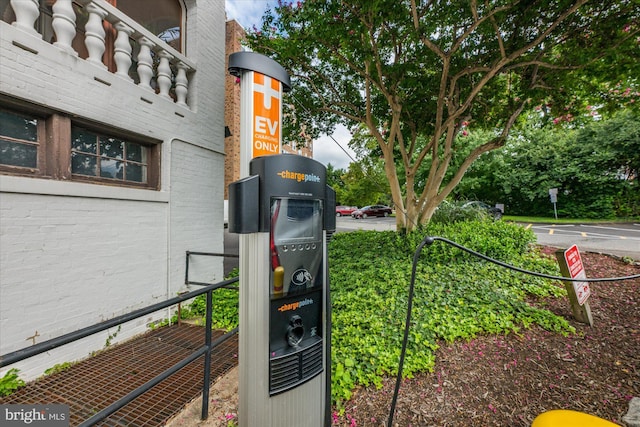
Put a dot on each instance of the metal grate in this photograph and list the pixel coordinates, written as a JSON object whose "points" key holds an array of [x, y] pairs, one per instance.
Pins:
{"points": [[95, 383]]}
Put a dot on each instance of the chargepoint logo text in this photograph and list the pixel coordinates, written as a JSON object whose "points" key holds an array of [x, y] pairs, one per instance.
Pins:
{"points": [[299, 176], [295, 305]]}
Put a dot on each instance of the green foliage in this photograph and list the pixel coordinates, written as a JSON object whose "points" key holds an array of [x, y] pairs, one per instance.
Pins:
{"points": [[112, 336], [457, 296], [10, 382], [364, 183], [58, 367], [596, 169], [450, 212], [418, 77], [225, 308]]}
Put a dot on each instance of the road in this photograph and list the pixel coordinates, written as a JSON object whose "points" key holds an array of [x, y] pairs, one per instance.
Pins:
{"points": [[615, 239]]}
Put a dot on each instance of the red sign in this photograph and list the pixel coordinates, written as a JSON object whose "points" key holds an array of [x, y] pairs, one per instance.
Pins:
{"points": [[576, 271]]}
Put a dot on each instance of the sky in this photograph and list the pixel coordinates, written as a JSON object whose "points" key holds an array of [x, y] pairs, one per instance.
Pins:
{"points": [[325, 150]]}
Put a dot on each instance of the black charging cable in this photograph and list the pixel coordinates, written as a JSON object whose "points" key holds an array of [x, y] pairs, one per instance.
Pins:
{"points": [[429, 241]]}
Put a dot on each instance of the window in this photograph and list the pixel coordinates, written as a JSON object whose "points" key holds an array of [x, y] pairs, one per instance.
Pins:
{"points": [[56, 147], [93, 154], [19, 140], [162, 17]]}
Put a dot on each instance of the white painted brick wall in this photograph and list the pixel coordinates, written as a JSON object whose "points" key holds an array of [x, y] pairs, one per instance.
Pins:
{"points": [[196, 215], [73, 254], [71, 262]]}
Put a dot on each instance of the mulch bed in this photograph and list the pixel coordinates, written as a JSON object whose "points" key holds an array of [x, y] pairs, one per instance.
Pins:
{"points": [[509, 380]]}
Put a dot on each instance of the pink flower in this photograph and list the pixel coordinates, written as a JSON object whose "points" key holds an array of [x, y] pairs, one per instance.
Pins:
{"points": [[352, 421]]}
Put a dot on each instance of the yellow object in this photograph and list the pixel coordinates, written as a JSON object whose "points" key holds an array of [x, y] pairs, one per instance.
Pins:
{"points": [[278, 280], [567, 418]]}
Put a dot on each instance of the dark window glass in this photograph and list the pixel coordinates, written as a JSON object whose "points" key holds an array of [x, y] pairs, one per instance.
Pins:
{"points": [[17, 154], [18, 126], [84, 141], [134, 152], [83, 164], [18, 140], [136, 173], [108, 157], [111, 147], [162, 17]]}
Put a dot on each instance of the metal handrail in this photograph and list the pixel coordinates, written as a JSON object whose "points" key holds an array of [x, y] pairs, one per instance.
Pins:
{"points": [[186, 267], [34, 350]]}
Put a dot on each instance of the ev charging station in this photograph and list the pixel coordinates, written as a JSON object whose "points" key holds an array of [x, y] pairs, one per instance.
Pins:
{"points": [[283, 211]]}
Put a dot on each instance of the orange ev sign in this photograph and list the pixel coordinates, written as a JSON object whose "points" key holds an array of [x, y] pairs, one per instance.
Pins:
{"points": [[267, 98]]}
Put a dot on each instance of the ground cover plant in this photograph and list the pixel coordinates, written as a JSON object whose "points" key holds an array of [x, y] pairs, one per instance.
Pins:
{"points": [[457, 296], [507, 380]]}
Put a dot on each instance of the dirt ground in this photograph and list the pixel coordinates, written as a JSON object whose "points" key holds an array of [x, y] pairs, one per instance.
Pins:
{"points": [[505, 380]]}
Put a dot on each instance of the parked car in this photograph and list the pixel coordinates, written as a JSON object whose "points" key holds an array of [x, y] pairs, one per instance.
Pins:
{"points": [[345, 210], [373, 210], [494, 212]]}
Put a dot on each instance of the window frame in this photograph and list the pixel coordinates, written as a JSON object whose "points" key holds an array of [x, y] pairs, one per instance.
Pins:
{"points": [[54, 150], [40, 143]]}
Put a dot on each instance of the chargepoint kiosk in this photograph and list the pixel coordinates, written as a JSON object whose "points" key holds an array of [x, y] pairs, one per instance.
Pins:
{"points": [[286, 211]]}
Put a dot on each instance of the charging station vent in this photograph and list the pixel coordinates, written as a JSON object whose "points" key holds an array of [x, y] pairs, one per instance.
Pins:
{"points": [[291, 370]]}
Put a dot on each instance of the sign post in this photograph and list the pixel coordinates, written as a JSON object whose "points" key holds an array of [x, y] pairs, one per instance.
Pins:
{"points": [[262, 82], [553, 195], [571, 266]]}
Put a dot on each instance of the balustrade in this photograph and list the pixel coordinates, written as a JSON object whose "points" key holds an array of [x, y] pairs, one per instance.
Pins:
{"points": [[158, 67], [27, 13]]}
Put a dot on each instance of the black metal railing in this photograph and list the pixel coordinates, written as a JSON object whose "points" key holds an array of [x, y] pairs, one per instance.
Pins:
{"points": [[186, 268], [205, 350]]}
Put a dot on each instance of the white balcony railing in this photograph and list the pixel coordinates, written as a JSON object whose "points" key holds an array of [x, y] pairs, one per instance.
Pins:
{"points": [[158, 67]]}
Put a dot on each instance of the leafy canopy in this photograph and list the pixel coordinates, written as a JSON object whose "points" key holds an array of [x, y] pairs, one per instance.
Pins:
{"points": [[416, 74], [596, 169]]}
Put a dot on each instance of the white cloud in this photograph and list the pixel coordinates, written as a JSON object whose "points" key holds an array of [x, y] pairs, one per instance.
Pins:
{"points": [[326, 150], [248, 13]]}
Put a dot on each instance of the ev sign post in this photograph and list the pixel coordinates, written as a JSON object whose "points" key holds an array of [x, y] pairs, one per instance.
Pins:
{"points": [[571, 266], [262, 83]]}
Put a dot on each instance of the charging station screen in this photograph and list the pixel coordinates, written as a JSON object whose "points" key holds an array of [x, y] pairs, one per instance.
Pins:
{"points": [[296, 245]]}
